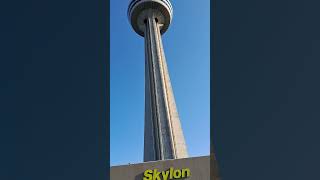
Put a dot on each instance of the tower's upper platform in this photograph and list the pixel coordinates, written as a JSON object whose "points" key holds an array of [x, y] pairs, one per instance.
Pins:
{"points": [[139, 10]]}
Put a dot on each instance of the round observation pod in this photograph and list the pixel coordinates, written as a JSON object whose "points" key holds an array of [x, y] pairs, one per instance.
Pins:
{"points": [[140, 10]]}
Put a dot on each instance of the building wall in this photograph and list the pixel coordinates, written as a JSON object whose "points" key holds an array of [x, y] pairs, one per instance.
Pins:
{"points": [[199, 168]]}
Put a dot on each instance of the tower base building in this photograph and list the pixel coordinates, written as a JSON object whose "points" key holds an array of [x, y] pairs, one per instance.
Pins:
{"points": [[196, 168]]}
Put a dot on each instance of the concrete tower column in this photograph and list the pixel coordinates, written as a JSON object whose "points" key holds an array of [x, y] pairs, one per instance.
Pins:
{"points": [[163, 137]]}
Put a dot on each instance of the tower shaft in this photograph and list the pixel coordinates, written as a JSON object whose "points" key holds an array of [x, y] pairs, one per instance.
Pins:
{"points": [[163, 137]]}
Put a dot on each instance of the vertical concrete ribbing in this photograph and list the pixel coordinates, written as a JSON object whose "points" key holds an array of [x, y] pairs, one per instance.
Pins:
{"points": [[163, 133], [176, 129]]}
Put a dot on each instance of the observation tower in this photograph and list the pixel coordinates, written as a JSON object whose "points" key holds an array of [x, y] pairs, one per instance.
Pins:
{"points": [[163, 136]]}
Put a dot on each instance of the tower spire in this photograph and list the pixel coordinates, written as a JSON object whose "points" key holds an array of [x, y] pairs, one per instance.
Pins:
{"points": [[163, 136]]}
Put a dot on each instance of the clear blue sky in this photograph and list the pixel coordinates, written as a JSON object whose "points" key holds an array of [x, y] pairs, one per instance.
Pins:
{"points": [[187, 49]]}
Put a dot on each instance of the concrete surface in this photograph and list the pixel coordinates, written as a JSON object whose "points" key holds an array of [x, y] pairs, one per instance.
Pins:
{"points": [[199, 168]]}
